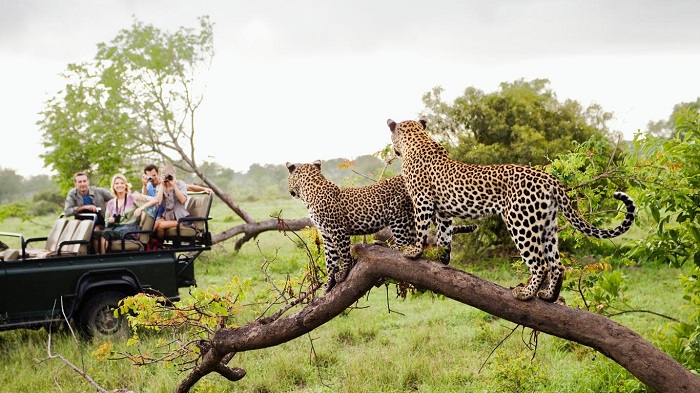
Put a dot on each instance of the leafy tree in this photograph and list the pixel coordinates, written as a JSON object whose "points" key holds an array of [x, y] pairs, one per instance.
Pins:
{"points": [[522, 123], [268, 179], [667, 128], [11, 185], [668, 174], [134, 103], [83, 129], [39, 183]]}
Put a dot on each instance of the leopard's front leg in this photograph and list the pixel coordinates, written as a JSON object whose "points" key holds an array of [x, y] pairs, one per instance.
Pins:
{"points": [[346, 261], [336, 245], [444, 229], [332, 259], [423, 214]]}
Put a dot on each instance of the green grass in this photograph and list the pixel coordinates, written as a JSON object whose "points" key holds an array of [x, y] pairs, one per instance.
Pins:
{"points": [[386, 344]]}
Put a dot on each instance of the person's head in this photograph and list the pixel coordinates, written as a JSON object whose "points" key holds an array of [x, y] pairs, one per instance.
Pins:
{"points": [[120, 185], [168, 171], [152, 172], [82, 183]]}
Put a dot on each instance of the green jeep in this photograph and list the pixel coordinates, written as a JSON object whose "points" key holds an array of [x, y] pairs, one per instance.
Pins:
{"points": [[65, 281]]}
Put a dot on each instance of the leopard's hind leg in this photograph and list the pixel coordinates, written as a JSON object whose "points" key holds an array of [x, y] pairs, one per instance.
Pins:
{"points": [[403, 228], [550, 292], [526, 232]]}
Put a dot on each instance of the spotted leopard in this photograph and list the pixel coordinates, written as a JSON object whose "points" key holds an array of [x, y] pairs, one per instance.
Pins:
{"points": [[340, 212], [526, 198]]}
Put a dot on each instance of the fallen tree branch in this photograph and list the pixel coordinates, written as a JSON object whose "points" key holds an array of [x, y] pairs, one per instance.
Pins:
{"points": [[646, 362], [253, 229]]}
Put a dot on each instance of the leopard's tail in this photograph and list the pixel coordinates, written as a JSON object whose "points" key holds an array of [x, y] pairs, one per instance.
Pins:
{"points": [[579, 223]]}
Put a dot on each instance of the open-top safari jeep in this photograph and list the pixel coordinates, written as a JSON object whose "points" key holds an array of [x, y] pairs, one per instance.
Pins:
{"points": [[57, 278]]}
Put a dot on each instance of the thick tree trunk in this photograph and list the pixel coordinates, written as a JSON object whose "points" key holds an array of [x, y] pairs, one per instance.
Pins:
{"points": [[646, 362]]}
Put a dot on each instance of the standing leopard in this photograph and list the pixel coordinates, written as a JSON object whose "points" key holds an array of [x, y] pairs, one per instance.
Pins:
{"points": [[339, 213], [527, 199]]}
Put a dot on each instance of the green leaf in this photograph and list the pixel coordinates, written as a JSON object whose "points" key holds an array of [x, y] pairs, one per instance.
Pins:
{"points": [[655, 213]]}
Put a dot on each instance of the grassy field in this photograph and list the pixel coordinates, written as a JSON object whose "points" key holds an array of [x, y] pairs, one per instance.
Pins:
{"points": [[385, 344]]}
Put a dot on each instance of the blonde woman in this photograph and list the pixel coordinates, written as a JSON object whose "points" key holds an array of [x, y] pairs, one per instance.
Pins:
{"points": [[121, 213]]}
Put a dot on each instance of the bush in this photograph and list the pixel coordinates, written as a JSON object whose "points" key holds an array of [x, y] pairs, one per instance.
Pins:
{"points": [[44, 208]]}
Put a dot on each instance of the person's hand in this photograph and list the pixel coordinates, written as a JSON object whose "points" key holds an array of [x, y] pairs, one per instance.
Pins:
{"points": [[144, 179], [137, 212]]}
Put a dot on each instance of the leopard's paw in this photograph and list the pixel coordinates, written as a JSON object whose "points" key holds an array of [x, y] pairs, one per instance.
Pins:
{"points": [[395, 247], [340, 276], [521, 292], [412, 252], [328, 285], [546, 295]]}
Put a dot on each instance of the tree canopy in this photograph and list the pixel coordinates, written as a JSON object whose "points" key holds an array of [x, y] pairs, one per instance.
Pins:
{"points": [[134, 103], [667, 128], [523, 122]]}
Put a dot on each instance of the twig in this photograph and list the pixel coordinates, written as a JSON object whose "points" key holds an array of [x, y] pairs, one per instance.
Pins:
{"points": [[69, 363], [532, 343], [388, 307], [496, 347], [643, 311], [312, 356], [580, 291]]}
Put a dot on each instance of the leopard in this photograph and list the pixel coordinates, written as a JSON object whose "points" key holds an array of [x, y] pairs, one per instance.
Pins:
{"points": [[526, 198], [341, 212]]}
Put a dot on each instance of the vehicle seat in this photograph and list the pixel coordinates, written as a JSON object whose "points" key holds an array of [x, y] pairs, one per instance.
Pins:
{"points": [[131, 244], [198, 205]]}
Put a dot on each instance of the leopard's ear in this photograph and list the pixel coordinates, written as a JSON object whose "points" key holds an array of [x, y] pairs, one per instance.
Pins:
{"points": [[391, 124], [317, 164], [424, 121], [291, 167]]}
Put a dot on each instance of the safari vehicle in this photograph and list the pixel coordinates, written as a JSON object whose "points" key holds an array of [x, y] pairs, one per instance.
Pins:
{"points": [[65, 281]]}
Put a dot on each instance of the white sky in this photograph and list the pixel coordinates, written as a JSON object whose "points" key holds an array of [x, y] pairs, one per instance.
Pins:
{"points": [[303, 80]]}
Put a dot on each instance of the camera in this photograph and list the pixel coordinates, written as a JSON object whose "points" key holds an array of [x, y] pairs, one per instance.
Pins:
{"points": [[117, 218], [169, 177], [150, 179]]}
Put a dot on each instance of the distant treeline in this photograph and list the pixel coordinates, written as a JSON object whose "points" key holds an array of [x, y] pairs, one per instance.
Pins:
{"points": [[259, 182]]}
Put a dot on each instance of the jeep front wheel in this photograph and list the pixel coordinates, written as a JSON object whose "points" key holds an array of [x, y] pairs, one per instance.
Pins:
{"points": [[97, 316]]}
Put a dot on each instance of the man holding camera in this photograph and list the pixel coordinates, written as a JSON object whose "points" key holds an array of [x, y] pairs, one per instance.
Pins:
{"points": [[150, 181]]}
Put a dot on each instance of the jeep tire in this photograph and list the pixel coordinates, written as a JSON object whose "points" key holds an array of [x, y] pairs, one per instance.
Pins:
{"points": [[97, 317]]}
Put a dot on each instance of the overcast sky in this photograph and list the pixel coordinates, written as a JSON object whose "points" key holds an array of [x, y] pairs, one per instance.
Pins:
{"points": [[303, 80]]}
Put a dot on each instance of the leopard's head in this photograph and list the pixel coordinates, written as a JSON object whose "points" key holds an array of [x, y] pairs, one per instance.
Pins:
{"points": [[298, 174], [402, 131]]}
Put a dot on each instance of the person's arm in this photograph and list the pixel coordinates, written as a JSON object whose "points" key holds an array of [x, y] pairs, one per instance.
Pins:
{"points": [[180, 191], [109, 220], [144, 184], [138, 197], [145, 199], [70, 206], [73, 206], [106, 197], [196, 188]]}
